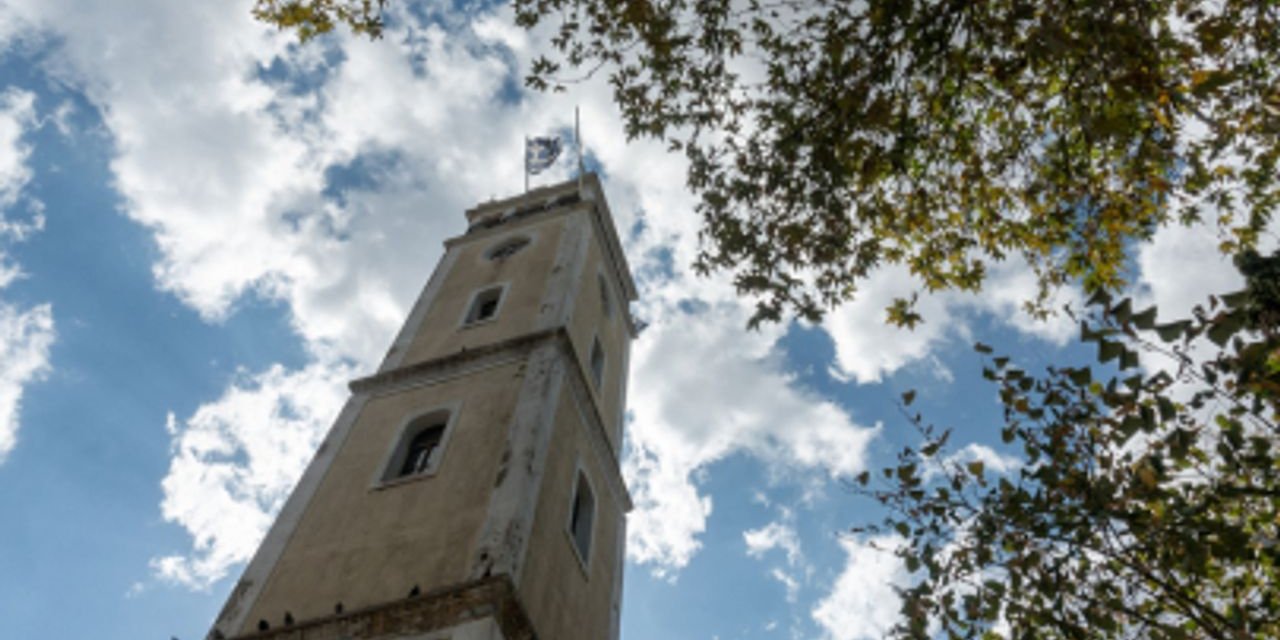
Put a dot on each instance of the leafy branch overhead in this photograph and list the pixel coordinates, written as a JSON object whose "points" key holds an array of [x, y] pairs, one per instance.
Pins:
{"points": [[829, 138], [310, 18], [1147, 505]]}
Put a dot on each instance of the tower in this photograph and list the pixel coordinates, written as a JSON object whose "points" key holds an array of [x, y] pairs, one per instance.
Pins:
{"points": [[470, 488]]}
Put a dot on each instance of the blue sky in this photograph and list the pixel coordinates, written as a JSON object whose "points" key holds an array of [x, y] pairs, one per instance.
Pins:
{"points": [[205, 231]]}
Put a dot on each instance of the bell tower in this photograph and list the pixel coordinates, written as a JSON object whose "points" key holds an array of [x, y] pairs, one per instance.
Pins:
{"points": [[470, 489]]}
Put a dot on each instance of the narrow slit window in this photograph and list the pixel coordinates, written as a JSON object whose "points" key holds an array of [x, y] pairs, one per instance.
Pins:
{"points": [[485, 305], [597, 363], [582, 518], [606, 303]]}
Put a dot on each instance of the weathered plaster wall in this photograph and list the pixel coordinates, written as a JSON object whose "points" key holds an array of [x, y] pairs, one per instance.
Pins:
{"points": [[525, 273], [360, 544], [590, 320], [564, 600], [527, 417]]}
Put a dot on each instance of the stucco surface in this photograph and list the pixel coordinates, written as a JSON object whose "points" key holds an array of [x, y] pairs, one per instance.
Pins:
{"points": [[564, 600], [525, 274], [524, 421], [588, 321], [360, 543]]}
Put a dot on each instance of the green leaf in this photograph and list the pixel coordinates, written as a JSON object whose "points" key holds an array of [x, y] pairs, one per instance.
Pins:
{"points": [[1128, 359], [1225, 327], [981, 348], [1146, 319], [908, 397], [1123, 311], [1172, 331], [1080, 376], [912, 562], [1109, 350]]}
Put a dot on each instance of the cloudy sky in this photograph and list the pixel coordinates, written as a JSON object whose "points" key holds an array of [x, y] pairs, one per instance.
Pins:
{"points": [[206, 230]]}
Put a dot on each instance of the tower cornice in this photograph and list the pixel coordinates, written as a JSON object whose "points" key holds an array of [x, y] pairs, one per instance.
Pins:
{"points": [[468, 361]]}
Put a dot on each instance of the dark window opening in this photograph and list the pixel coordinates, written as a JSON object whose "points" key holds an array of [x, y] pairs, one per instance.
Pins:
{"points": [[606, 304], [485, 305], [582, 518], [422, 451], [597, 363]]}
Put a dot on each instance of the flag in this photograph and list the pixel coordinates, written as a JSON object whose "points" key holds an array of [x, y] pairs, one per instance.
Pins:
{"points": [[540, 153]]}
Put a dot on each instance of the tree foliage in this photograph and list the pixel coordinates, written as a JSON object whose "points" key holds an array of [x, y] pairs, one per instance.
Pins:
{"points": [[827, 138], [1148, 505], [310, 18]]}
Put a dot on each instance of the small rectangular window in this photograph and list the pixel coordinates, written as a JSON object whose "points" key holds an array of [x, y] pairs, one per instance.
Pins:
{"points": [[582, 519], [484, 306], [606, 303], [597, 363]]}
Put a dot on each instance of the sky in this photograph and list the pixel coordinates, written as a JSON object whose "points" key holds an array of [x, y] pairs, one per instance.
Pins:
{"points": [[206, 230]]}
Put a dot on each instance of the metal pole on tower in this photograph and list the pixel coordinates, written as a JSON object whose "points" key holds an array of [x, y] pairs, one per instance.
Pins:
{"points": [[577, 139], [526, 164]]}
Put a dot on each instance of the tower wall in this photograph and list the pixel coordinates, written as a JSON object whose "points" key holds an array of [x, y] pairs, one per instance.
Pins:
{"points": [[363, 541], [524, 275], [565, 597], [479, 541]]}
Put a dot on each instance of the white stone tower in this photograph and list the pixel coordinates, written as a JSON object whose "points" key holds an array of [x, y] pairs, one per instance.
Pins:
{"points": [[470, 489]]}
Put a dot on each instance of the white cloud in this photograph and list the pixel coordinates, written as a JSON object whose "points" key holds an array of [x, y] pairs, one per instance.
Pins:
{"points": [[992, 461], [867, 348], [26, 334], [775, 535], [1181, 267], [25, 338], [789, 582], [426, 106], [235, 460], [17, 115], [703, 390], [780, 535], [862, 602]]}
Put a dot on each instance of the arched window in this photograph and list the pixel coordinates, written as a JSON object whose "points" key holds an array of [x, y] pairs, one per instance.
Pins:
{"points": [[419, 448], [421, 453]]}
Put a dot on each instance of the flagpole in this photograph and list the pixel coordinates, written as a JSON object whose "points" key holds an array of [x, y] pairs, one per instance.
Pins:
{"points": [[526, 164], [577, 138]]}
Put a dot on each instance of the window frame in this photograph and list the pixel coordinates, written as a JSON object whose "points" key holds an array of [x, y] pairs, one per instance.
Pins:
{"points": [[580, 476], [465, 323], [606, 295], [384, 476], [597, 376], [493, 248]]}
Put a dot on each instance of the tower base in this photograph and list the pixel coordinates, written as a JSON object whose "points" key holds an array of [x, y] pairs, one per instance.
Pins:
{"points": [[485, 609]]}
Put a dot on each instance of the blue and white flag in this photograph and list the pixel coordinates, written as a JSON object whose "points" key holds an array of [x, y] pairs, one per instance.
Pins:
{"points": [[540, 153]]}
